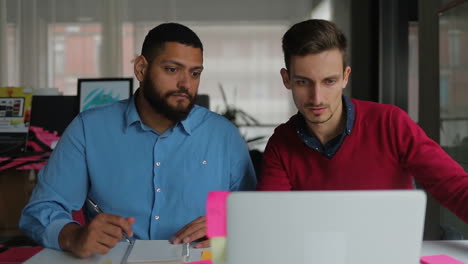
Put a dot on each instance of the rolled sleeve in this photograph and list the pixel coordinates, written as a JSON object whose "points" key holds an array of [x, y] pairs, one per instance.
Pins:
{"points": [[51, 234]]}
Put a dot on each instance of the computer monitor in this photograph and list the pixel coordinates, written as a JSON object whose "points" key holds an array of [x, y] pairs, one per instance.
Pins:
{"points": [[54, 112], [99, 91]]}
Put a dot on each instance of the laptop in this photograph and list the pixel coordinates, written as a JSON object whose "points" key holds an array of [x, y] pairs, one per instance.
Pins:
{"points": [[325, 227], [14, 117]]}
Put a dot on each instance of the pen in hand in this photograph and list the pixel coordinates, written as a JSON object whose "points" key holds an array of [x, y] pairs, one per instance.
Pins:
{"points": [[98, 210]]}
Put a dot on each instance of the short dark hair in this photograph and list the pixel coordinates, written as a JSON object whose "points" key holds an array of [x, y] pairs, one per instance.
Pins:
{"points": [[311, 37], [168, 32]]}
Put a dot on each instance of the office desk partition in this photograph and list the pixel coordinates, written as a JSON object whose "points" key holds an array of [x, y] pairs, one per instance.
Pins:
{"points": [[16, 187], [456, 249]]}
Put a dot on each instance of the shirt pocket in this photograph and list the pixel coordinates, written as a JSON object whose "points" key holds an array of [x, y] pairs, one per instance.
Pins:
{"points": [[201, 176]]}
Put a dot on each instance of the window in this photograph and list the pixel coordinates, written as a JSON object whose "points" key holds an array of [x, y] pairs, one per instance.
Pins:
{"points": [[73, 53]]}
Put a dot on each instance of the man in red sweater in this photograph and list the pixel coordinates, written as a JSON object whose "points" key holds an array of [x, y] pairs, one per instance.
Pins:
{"points": [[338, 143]]}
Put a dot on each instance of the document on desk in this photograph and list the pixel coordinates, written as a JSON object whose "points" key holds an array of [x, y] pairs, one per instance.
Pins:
{"points": [[154, 249], [52, 256], [157, 251]]}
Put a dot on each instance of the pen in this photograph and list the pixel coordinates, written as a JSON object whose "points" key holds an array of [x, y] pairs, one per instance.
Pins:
{"points": [[98, 210]]}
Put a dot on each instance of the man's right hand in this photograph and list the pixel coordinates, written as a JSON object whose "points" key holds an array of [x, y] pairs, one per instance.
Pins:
{"points": [[99, 236]]}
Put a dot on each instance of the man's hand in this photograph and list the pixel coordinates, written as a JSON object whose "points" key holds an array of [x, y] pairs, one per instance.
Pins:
{"points": [[193, 231], [99, 236]]}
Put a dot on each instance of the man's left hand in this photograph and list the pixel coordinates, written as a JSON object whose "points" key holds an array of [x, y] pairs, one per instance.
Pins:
{"points": [[192, 231]]}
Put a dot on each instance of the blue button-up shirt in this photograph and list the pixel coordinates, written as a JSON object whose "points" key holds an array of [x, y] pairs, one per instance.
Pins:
{"points": [[331, 147], [128, 169]]}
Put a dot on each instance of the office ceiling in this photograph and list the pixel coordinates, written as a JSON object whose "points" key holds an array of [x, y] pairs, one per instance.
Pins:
{"points": [[163, 10]]}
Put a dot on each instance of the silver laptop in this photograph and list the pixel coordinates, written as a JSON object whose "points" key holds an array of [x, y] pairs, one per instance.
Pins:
{"points": [[326, 227]]}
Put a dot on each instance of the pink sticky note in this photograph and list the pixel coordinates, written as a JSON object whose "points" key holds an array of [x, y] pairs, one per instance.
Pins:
{"points": [[201, 262], [440, 259], [216, 214]]}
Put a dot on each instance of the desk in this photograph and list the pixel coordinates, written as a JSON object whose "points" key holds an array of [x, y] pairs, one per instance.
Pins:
{"points": [[17, 181], [16, 187], [456, 249]]}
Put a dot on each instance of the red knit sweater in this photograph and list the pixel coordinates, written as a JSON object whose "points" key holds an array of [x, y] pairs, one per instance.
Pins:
{"points": [[384, 150]]}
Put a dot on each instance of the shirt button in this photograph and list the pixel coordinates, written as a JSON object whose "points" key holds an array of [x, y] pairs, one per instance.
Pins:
{"points": [[156, 217], [158, 190], [158, 163]]}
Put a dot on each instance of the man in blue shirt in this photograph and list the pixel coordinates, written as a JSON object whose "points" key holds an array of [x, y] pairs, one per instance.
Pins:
{"points": [[148, 162]]}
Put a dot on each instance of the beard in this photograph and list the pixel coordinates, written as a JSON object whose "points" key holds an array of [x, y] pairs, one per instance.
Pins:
{"points": [[159, 101], [322, 121]]}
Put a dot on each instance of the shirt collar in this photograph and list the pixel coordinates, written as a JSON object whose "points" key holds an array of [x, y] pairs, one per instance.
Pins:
{"points": [[350, 114], [331, 147], [187, 123], [132, 116]]}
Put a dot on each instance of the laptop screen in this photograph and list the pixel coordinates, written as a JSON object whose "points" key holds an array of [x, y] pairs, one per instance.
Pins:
{"points": [[15, 115]]}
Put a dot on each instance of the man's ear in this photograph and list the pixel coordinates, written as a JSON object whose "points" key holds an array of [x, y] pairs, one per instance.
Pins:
{"points": [[346, 74], [285, 75], [140, 67]]}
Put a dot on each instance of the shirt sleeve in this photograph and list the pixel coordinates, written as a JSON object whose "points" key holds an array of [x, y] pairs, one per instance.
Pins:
{"points": [[431, 166], [242, 172], [61, 189], [274, 176]]}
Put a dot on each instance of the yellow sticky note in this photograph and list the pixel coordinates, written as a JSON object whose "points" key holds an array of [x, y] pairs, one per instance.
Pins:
{"points": [[107, 262], [218, 249], [206, 255]]}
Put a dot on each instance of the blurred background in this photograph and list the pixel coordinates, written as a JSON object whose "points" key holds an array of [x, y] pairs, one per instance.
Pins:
{"points": [[409, 53]]}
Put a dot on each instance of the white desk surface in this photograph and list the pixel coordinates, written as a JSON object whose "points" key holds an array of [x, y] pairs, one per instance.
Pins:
{"points": [[457, 249]]}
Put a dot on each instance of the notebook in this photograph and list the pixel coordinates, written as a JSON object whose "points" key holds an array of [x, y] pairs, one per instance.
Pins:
{"points": [[157, 251], [327, 227]]}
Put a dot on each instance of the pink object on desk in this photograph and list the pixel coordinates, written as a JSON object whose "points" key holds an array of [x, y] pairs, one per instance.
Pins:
{"points": [[33, 162], [45, 137], [440, 259], [18, 254], [216, 214], [39, 144]]}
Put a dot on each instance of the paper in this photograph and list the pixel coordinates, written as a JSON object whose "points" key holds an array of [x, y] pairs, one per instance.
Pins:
{"points": [[52, 256], [439, 259], [216, 214], [157, 251], [218, 249]]}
